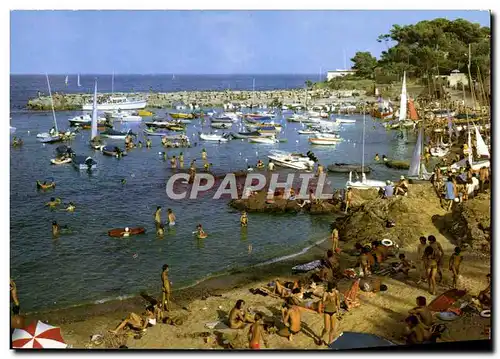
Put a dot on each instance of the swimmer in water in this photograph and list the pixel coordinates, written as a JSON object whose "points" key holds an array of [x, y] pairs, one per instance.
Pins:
{"points": [[126, 233], [123, 181], [206, 166], [158, 216], [181, 159], [200, 232], [173, 162], [55, 229], [53, 203], [160, 231], [377, 158], [139, 144], [148, 143], [171, 217], [71, 207], [203, 154], [244, 219]]}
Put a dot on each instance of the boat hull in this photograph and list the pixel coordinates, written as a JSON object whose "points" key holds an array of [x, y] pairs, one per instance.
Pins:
{"points": [[324, 141], [346, 168], [118, 232], [213, 138], [56, 161], [267, 141]]}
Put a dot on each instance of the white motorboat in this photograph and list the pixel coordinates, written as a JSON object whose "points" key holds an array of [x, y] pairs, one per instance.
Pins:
{"points": [[213, 137], [344, 120], [364, 183], [56, 161], [117, 103], [297, 118], [80, 120], [324, 141], [264, 140], [221, 125], [291, 160], [233, 116], [123, 116], [439, 151], [309, 131]]}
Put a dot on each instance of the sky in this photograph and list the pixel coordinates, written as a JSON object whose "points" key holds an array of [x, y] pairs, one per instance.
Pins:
{"points": [[203, 42]]}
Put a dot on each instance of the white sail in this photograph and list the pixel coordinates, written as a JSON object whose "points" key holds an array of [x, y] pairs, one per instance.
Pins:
{"points": [[66, 80], [78, 81], [469, 143], [402, 106], [94, 114], [482, 149], [52, 104], [415, 160]]}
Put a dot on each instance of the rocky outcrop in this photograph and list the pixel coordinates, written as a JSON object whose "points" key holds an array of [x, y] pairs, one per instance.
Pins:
{"points": [[470, 222]]}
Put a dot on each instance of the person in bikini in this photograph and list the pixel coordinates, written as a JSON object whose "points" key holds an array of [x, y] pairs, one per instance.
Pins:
{"points": [[438, 255], [157, 216], [171, 217], [330, 304], [256, 333], [431, 267], [166, 288], [454, 265]]}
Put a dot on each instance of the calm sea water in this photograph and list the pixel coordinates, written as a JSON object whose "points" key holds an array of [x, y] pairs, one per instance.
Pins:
{"points": [[87, 265]]}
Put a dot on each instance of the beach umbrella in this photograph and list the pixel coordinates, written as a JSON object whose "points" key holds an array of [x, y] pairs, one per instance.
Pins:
{"points": [[38, 335], [353, 340]]}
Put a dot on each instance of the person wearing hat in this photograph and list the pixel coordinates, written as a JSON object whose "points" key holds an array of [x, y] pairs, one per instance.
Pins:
{"points": [[388, 189], [402, 186]]}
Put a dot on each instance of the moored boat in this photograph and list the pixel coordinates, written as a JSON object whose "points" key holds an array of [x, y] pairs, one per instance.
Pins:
{"points": [[113, 151], [125, 232], [213, 137], [347, 167], [60, 161], [188, 116], [117, 103], [83, 162], [263, 140]]}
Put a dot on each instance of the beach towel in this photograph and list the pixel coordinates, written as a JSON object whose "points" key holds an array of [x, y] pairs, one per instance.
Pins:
{"points": [[445, 300]]}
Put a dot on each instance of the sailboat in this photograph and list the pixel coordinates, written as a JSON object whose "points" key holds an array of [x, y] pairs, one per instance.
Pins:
{"points": [[417, 171], [403, 110], [66, 81], [482, 151], [78, 81], [53, 136], [364, 183], [95, 141]]}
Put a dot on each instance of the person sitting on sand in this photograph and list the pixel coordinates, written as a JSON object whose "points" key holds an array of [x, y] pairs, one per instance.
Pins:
{"points": [[291, 320], [403, 266], [422, 312], [244, 219], [136, 322], [388, 190], [53, 203], [372, 285], [256, 333], [402, 187], [238, 318], [71, 207], [484, 296], [417, 334], [454, 265], [171, 217]]}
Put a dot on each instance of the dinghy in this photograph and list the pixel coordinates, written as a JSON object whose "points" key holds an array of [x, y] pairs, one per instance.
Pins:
{"points": [[347, 167], [221, 125], [286, 159], [113, 151], [245, 135], [264, 140], [60, 161], [84, 162], [344, 120], [125, 232], [115, 135], [213, 137]]}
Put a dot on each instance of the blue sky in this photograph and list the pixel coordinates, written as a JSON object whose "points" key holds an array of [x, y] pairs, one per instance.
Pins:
{"points": [[202, 42]]}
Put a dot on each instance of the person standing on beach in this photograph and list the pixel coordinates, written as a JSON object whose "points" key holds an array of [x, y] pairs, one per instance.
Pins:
{"points": [[348, 199], [166, 288], [335, 240], [451, 192], [420, 261], [256, 333], [330, 304], [158, 217], [431, 268], [454, 265], [438, 255]]}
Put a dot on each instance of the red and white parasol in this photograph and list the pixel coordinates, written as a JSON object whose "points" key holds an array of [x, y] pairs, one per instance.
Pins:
{"points": [[38, 335]]}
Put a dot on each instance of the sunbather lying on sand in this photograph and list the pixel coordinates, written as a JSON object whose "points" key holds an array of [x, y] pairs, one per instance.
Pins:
{"points": [[136, 322]]}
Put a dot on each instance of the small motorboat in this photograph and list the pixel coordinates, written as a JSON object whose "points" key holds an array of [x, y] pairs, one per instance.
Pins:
{"points": [[221, 120], [151, 132], [291, 160], [189, 116], [80, 120], [439, 151], [221, 125], [398, 165], [159, 123], [308, 132], [297, 118], [213, 137], [84, 162], [114, 151], [344, 120], [144, 113], [116, 135], [45, 186], [123, 116], [348, 167], [321, 139], [52, 139], [364, 183], [60, 161], [245, 135], [125, 232], [264, 140]]}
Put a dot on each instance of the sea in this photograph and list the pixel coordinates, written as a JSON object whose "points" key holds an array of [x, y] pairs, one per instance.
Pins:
{"points": [[86, 265]]}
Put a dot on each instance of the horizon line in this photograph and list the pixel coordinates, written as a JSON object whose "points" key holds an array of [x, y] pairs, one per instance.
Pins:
{"points": [[165, 73]]}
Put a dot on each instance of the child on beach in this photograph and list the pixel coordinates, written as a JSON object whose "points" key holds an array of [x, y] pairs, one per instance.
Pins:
{"points": [[256, 333]]}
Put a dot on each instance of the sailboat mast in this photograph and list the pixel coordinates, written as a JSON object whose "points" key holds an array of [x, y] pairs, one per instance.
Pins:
{"points": [[113, 83], [363, 147], [94, 114], [52, 103]]}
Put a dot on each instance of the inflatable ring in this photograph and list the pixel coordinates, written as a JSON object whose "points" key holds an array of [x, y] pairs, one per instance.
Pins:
{"points": [[485, 313], [387, 242]]}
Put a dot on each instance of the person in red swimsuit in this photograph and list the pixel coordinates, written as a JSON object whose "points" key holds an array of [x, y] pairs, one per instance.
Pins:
{"points": [[256, 333]]}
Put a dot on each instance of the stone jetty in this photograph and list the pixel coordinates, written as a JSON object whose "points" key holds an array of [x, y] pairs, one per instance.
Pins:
{"points": [[204, 99]]}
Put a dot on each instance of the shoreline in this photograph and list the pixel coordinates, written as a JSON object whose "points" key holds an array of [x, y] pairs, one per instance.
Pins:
{"points": [[212, 284]]}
